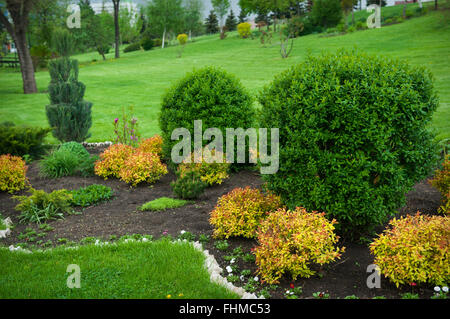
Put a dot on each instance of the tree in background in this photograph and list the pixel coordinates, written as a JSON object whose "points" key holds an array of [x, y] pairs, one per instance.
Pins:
{"points": [[326, 13], [165, 16], [19, 11], [102, 33], [264, 7], [130, 24], [221, 8], [211, 23], [231, 22], [192, 16], [116, 4]]}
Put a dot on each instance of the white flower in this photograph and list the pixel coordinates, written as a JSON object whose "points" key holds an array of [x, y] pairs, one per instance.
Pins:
{"points": [[242, 278], [182, 232], [437, 289], [229, 269], [288, 292], [256, 278], [232, 261], [445, 289]]}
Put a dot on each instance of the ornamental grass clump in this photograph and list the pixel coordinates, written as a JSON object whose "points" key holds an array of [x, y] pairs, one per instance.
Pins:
{"points": [[414, 249], [291, 242], [12, 173], [240, 212], [353, 135]]}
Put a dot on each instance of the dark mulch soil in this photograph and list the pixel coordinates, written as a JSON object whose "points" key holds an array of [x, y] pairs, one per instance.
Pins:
{"points": [[121, 216]]}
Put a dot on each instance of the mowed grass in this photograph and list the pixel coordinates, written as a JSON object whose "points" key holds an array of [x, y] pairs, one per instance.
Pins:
{"points": [[140, 79], [163, 203], [151, 270]]}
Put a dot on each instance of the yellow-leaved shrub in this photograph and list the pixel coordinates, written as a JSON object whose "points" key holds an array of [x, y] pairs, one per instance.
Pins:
{"points": [[441, 181], [142, 167], [151, 145], [290, 242], [112, 160], [240, 212], [12, 173], [415, 249]]}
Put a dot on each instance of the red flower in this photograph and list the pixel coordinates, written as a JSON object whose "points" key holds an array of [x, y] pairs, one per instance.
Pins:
{"points": [[292, 286], [413, 284]]}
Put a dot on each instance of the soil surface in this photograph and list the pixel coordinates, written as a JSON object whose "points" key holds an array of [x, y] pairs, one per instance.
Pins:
{"points": [[120, 216]]}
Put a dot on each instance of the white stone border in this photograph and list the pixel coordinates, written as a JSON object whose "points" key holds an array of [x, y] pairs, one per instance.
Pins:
{"points": [[4, 233], [210, 264]]}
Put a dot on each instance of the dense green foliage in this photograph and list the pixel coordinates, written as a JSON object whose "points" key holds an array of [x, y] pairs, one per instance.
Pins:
{"points": [[353, 137], [90, 195], [141, 270], [132, 47], [209, 94], [326, 13], [68, 114], [22, 140], [188, 186]]}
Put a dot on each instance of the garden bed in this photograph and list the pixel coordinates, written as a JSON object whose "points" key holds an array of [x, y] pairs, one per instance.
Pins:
{"points": [[120, 216]]}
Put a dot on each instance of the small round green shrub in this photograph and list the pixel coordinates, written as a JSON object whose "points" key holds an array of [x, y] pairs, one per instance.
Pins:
{"points": [[353, 137], [132, 47], [75, 148], [209, 94]]}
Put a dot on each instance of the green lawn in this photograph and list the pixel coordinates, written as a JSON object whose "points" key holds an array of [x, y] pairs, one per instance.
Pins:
{"points": [[141, 78], [126, 270]]}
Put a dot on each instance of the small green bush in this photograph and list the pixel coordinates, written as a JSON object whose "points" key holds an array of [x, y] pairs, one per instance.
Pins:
{"points": [[209, 94], [23, 140], [90, 195], [190, 186], [353, 135], [163, 203], [132, 47], [157, 42], [41, 206]]}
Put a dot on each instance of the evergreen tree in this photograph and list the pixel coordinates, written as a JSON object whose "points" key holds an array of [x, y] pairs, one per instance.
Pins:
{"points": [[211, 23], [242, 17], [68, 114], [231, 22]]}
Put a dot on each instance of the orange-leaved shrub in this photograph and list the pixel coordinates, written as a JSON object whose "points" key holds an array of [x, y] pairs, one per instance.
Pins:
{"points": [[210, 172], [12, 173], [290, 242], [441, 181], [151, 145], [112, 160], [415, 249], [142, 167], [240, 212]]}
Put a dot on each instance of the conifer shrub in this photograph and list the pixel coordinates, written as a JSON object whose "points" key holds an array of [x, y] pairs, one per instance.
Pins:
{"points": [[189, 186], [353, 135], [68, 114]]}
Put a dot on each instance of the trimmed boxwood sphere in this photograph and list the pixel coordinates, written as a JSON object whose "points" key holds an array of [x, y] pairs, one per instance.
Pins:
{"points": [[209, 94], [353, 137]]}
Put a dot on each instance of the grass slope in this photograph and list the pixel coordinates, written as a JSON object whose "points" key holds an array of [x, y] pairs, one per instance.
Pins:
{"points": [[132, 270], [141, 78]]}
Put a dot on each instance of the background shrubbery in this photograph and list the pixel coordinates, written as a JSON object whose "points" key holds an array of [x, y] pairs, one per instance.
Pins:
{"points": [[353, 137]]}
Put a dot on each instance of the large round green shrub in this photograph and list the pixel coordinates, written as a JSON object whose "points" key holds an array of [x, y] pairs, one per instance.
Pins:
{"points": [[211, 95], [353, 137]]}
